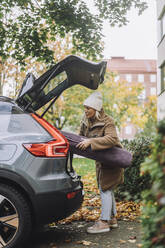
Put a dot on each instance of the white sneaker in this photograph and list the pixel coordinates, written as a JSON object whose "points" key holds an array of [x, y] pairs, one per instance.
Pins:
{"points": [[99, 227], [113, 223]]}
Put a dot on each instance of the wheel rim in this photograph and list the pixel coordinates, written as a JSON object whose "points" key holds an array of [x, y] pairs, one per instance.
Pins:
{"points": [[9, 221]]}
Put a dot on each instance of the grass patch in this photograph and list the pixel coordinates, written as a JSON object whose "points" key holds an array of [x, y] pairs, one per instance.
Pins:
{"points": [[87, 170], [84, 166]]}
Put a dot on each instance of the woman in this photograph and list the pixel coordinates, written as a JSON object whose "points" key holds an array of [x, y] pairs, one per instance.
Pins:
{"points": [[101, 132]]}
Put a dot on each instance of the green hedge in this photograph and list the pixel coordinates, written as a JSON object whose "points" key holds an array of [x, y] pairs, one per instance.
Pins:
{"points": [[153, 210], [134, 184]]}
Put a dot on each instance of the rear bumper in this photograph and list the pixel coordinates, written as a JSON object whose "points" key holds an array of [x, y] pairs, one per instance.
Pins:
{"points": [[55, 205]]}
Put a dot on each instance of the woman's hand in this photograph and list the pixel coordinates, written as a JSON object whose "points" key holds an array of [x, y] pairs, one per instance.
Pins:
{"points": [[84, 144]]}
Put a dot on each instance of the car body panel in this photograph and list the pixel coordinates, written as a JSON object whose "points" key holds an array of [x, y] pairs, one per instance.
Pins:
{"points": [[7, 151], [47, 206], [57, 204]]}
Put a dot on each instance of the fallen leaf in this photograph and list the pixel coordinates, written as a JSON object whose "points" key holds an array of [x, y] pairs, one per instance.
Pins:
{"points": [[78, 242], [132, 240], [87, 243], [52, 225], [67, 240], [122, 241], [84, 242], [80, 226], [53, 245], [91, 207], [133, 237]]}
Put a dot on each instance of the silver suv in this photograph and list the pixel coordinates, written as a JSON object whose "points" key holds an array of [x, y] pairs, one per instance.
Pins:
{"points": [[38, 184]]}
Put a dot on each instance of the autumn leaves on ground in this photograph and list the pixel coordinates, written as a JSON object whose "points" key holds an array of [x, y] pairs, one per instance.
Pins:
{"points": [[90, 210]]}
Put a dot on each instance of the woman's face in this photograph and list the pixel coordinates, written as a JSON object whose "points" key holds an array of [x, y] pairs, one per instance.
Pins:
{"points": [[89, 112]]}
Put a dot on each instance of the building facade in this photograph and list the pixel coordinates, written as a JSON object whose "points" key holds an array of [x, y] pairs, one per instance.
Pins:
{"points": [[133, 71], [161, 58]]}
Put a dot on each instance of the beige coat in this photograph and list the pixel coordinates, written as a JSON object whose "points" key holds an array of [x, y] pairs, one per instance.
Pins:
{"points": [[103, 135]]}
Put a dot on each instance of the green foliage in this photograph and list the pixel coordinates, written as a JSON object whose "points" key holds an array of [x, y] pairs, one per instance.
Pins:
{"points": [[149, 129], [153, 208], [121, 100], [150, 111], [70, 107], [134, 183], [118, 102], [84, 166], [26, 26], [116, 11]]}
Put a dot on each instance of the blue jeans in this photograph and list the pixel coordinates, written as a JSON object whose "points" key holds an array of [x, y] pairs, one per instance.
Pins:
{"points": [[108, 204]]}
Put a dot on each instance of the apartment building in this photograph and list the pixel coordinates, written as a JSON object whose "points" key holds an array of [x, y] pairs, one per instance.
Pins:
{"points": [[161, 58], [135, 70]]}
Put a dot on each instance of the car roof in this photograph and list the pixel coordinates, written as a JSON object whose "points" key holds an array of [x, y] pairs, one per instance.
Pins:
{"points": [[6, 99], [8, 105]]}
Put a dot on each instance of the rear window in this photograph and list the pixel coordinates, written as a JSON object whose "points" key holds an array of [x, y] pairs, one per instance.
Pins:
{"points": [[15, 122]]}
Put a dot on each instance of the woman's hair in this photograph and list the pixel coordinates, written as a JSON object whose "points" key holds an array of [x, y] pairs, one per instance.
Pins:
{"points": [[97, 115]]}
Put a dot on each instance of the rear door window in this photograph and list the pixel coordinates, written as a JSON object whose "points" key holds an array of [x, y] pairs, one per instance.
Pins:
{"points": [[15, 124]]}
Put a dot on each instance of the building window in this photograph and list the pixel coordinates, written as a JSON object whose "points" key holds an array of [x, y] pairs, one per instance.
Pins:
{"points": [[115, 105], [128, 78], [153, 78], [116, 78], [141, 78], [163, 78], [153, 91], [128, 130], [142, 96]]}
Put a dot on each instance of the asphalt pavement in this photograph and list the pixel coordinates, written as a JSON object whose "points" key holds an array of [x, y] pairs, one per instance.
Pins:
{"points": [[74, 235]]}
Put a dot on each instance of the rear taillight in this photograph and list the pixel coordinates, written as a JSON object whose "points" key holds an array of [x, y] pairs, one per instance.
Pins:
{"points": [[50, 149], [72, 195], [55, 148]]}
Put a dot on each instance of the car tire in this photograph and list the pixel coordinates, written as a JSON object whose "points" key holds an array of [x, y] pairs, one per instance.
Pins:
{"points": [[15, 217]]}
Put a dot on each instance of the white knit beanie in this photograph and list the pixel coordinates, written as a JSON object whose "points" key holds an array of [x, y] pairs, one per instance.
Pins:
{"points": [[94, 101]]}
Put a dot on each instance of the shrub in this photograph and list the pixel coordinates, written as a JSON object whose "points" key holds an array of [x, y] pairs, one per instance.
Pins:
{"points": [[134, 184], [153, 210]]}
